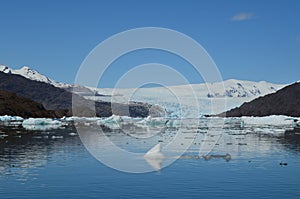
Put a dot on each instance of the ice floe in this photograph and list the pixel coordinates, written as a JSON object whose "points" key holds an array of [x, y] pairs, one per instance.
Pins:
{"points": [[5, 118], [273, 120], [274, 124], [41, 124], [153, 122]]}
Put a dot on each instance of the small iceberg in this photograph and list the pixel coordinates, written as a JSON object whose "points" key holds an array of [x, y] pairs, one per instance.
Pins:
{"points": [[273, 120], [112, 122], [154, 157], [155, 153], [41, 124], [8, 118], [153, 122]]}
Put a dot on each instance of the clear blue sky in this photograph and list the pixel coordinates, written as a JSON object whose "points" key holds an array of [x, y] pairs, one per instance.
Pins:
{"points": [[251, 40]]}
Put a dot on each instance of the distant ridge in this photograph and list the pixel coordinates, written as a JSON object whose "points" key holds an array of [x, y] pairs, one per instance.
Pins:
{"points": [[284, 102], [231, 88], [60, 100], [31, 74]]}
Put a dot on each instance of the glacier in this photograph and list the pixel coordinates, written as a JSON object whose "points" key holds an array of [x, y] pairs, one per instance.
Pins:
{"points": [[192, 100]]}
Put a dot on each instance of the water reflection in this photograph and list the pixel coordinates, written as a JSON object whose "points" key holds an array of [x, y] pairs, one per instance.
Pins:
{"points": [[21, 151]]}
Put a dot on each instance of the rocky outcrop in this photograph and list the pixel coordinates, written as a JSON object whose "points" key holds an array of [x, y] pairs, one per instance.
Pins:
{"points": [[284, 102], [12, 104]]}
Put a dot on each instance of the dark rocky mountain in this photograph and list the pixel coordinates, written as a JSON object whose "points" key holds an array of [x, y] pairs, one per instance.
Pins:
{"points": [[60, 100], [284, 102], [12, 104]]}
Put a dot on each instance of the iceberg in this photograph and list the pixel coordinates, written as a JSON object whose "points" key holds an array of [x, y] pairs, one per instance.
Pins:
{"points": [[41, 124], [8, 118], [153, 122], [273, 120], [113, 122], [155, 153]]}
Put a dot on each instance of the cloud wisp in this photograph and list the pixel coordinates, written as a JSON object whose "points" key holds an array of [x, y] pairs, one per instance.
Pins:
{"points": [[243, 16]]}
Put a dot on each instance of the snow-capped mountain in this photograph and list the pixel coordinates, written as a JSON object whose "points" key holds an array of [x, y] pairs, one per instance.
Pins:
{"points": [[230, 89], [209, 97], [193, 100], [240, 88], [28, 73]]}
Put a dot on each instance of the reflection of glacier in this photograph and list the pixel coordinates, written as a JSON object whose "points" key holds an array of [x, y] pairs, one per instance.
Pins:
{"points": [[244, 137]]}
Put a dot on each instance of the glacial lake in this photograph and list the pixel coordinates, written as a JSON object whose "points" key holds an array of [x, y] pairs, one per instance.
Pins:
{"points": [[56, 164]]}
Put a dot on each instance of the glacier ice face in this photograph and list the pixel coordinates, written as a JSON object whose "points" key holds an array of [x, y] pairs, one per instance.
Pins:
{"points": [[211, 98], [41, 124]]}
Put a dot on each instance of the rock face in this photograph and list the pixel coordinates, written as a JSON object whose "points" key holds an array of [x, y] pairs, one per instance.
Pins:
{"points": [[12, 104], [284, 102], [60, 100]]}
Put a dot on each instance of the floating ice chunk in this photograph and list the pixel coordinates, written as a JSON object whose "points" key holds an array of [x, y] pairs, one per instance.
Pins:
{"points": [[56, 137], [41, 124], [2, 135], [5, 118], [273, 120], [113, 122], [80, 119], [155, 153], [153, 122]]}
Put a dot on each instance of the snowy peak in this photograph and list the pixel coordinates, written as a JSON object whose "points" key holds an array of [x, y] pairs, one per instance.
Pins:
{"points": [[25, 71], [241, 88], [28, 73], [231, 88], [5, 69]]}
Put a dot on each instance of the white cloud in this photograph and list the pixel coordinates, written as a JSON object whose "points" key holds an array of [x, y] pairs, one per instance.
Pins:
{"points": [[242, 16]]}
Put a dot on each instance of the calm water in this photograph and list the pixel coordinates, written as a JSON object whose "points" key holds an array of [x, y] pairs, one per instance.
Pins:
{"points": [[55, 164]]}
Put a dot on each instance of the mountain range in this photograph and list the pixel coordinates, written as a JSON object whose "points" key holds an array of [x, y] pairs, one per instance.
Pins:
{"points": [[59, 101], [283, 102], [229, 88], [239, 92]]}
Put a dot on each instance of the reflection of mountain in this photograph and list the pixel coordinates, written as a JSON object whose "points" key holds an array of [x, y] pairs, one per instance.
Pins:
{"points": [[34, 150], [292, 137], [20, 152]]}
